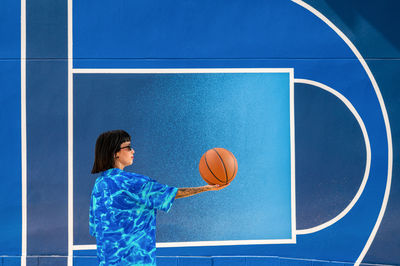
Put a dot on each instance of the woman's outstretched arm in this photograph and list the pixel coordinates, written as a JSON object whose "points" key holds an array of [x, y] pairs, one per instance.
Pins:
{"points": [[190, 191]]}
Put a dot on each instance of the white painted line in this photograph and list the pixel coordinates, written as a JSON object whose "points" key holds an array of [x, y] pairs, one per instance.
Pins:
{"points": [[224, 243], [385, 117], [368, 157], [23, 136], [84, 247], [292, 156], [179, 70], [205, 243], [70, 141]]}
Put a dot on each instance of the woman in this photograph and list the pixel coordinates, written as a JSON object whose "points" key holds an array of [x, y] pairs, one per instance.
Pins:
{"points": [[123, 205]]}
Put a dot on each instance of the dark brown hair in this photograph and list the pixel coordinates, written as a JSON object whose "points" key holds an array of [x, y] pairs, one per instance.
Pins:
{"points": [[107, 144]]}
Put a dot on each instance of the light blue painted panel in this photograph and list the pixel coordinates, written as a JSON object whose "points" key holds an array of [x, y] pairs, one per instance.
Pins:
{"points": [[174, 119]]}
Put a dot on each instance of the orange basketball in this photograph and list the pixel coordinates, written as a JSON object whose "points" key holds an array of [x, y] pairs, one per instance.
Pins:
{"points": [[218, 166]]}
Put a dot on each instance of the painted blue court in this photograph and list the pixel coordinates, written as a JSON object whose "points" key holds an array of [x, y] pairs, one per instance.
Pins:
{"points": [[301, 92]]}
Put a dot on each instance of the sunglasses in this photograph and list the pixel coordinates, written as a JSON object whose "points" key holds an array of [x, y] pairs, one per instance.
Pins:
{"points": [[129, 147]]}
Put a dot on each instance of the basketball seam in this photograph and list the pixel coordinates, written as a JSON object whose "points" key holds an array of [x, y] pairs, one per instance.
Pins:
{"points": [[226, 174], [205, 159], [234, 171]]}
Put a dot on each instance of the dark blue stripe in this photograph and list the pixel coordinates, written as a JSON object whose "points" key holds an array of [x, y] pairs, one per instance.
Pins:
{"points": [[47, 127]]}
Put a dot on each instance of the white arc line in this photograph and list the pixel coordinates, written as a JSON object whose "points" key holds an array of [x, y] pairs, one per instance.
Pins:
{"points": [[385, 118], [367, 164]]}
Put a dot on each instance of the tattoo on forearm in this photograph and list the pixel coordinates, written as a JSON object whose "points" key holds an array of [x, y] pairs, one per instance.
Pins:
{"points": [[189, 191]]}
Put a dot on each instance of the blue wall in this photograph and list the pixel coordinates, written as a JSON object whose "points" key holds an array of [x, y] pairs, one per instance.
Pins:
{"points": [[330, 148], [46, 111], [10, 133], [369, 26]]}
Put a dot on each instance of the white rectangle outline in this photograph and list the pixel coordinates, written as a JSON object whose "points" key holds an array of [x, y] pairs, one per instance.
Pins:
{"points": [[292, 240]]}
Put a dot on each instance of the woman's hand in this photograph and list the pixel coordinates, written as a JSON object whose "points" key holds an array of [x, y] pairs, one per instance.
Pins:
{"points": [[216, 187]]}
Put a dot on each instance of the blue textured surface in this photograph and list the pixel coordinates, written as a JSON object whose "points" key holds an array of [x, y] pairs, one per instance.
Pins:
{"points": [[173, 120], [190, 34], [47, 169], [330, 156], [47, 127], [272, 261], [10, 132], [85, 253], [288, 262], [313, 51], [167, 261], [385, 248], [369, 26], [179, 261], [86, 261], [10, 13], [32, 261], [52, 261], [195, 261], [330, 263], [11, 261], [233, 261], [223, 261], [10, 142], [249, 31], [46, 31]]}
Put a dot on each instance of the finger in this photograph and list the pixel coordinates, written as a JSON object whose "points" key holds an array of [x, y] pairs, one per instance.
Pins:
{"points": [[222, 186]]}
